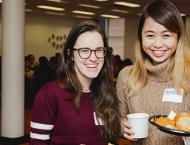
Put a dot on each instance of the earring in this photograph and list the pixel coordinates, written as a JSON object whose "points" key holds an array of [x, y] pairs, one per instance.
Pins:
{"points": [[68, 51]]}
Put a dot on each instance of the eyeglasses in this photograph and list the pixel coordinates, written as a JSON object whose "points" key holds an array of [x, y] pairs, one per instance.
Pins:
{"points": [[85, 53]]}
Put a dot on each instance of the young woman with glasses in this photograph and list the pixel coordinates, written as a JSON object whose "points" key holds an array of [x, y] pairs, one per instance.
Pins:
{"points": [[80, 107]]}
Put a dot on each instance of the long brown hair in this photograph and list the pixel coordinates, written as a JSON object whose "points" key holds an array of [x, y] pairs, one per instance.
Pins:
{"points": [[166, 14], [104, 99]]}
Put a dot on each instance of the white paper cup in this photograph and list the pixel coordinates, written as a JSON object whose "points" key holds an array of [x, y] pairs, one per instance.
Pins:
{"points": [[186, 140], [139, 123]]}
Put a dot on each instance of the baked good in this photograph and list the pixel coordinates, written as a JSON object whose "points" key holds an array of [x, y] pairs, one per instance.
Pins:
{"points": [[182, 121], [166, 122]]}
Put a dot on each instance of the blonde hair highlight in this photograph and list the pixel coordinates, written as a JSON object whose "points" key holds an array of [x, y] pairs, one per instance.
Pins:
{"points": [[181, 71]]}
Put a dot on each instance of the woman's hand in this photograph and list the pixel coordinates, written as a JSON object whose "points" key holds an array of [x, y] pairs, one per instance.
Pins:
{"points": [[127, 130]]}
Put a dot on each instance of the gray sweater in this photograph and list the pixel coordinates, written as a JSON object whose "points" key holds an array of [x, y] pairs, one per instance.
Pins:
{"points": [[149, 100]]}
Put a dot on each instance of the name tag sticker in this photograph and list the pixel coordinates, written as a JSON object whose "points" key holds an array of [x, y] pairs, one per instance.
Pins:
{"points": [[170, 95], [98, 121]]}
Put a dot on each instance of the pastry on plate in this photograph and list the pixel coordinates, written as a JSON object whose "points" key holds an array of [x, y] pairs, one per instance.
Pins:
{"points": [[166, 122], [182, 121]]}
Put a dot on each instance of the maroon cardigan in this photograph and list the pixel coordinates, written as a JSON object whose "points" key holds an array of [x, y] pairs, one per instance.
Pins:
{"points": [[55, 120]]}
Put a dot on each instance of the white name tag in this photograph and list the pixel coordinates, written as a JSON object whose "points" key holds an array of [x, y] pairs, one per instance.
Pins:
{"points": [[97, 120], [170, 95]]}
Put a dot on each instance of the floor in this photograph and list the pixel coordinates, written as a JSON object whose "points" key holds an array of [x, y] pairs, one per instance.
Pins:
{"points": [[25, 144], [27, 123]]}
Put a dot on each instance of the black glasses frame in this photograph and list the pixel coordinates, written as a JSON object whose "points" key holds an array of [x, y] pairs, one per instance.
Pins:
{"points": [[95, 51]]}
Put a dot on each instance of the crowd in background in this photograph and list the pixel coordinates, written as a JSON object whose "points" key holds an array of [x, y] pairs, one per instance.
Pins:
{"points": [[38, 73], [118, 64]]}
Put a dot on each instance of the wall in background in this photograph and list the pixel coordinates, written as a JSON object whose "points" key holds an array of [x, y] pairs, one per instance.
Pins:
{"points": [[45, 34], [130, 37], [39, 28], [116, 36]]}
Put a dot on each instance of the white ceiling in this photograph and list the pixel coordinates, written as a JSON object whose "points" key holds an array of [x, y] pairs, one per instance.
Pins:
{"points": [[105, 7]]}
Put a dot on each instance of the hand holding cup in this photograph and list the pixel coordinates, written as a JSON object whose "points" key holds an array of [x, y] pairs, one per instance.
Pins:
{"points": [[139, 124]]}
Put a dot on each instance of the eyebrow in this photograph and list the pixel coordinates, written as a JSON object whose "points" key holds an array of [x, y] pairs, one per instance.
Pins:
{"points": [[150, 31]]}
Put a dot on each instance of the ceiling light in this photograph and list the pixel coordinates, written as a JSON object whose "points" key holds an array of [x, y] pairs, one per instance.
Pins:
{"points": [[183, 14], [101, 0], [28, 10], [1, 1], [58, 1], [133, 5], [83, 17], [53, 13], [89, 6], [120, 11], [109, 16], [50, 8], [82, 12]]}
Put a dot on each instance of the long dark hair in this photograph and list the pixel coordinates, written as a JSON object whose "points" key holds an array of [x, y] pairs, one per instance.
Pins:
{"points": [[104, 99]]}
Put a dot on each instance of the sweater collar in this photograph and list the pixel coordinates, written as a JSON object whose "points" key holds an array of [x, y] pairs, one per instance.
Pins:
{"points": [[161, 72]]}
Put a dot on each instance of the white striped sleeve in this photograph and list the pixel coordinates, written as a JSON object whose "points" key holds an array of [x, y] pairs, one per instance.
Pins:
{"points": [[41, 126], [39, 136]]}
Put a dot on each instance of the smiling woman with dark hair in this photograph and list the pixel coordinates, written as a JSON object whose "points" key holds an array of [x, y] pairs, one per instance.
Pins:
{"points": [[80, 107]]}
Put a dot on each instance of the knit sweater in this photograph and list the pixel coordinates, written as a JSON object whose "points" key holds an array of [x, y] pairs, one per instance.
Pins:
{"points": [[55, 121], [149, 100]]}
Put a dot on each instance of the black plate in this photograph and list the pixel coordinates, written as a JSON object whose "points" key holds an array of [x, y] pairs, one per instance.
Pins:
{"points": [[165, 129]]}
